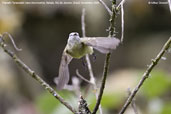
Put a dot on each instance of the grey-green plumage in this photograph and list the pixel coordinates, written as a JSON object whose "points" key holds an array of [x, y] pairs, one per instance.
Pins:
{"points": [[77, 48]]}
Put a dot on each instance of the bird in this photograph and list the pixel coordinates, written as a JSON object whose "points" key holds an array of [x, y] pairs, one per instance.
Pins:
{"points": [[77, 47]]}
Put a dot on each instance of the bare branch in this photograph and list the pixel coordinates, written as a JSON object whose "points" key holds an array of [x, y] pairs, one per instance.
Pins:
{"points": [[83, 22], [83, 107], [146, 75], [106, 66], [92, 78], [122, 22], [80, 76], [35, 76], [106, 7], [121, 3], [120, 6], [13, 43]]}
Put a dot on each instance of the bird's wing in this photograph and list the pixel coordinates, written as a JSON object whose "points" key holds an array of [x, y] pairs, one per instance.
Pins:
{"points": [[102, 44], [63, 76]]}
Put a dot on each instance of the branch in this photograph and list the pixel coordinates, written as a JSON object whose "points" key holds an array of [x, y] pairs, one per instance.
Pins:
{"points": [[146, 75], [120, 4], [107, 61], [83, 106], [35, 76], [106, 7], [122, 20], [92, 78], [80, 76], [12, 41], [83, 22]]}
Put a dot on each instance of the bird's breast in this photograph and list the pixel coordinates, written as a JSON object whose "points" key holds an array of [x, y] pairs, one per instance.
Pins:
{"points": [[79, 50]]}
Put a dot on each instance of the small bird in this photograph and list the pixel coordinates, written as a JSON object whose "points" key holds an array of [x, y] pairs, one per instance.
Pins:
{"points": [[77, 48]]}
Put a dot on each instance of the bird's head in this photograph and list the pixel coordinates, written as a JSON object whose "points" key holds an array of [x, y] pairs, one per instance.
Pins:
{"points": [[74, 34]]}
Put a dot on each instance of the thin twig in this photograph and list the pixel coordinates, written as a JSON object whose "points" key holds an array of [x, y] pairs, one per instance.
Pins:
{"points": [[106, 66], [92, 78], [121, 3], [106, 7], [80, 76], [12, 40], [146, 75], [102, 83], [35, 76], [122, 20], [83, 22], [121, 8], [83, 106]]}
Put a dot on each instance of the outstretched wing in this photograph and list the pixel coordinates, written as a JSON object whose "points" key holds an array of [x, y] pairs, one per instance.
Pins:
{"points": [[102, 44], [63, 76]]}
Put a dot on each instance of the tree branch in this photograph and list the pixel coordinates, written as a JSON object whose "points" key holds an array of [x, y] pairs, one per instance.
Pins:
{"points": [[80, 76], [92, 78], [35, 76], [122, 20], [83, 106], [107, 61], [83, 22], [106, 7], [12, 40], [146, 75], [120, 4]]}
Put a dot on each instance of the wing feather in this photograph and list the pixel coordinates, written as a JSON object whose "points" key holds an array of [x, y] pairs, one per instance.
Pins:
{"points": [[102, 44], [63, 76]]}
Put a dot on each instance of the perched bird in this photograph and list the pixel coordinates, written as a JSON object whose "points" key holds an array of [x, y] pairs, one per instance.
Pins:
{"points": [[77, 48]]}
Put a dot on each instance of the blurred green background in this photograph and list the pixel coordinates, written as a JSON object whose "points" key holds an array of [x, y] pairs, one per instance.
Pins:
{"points": [[42, 32]]}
